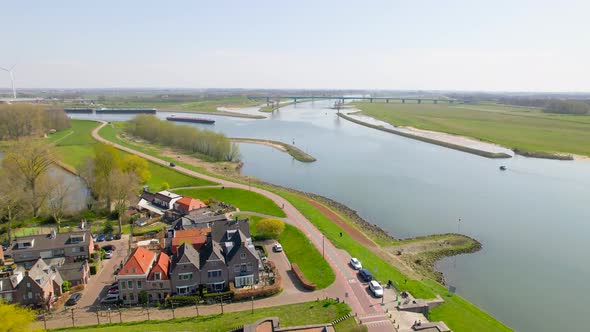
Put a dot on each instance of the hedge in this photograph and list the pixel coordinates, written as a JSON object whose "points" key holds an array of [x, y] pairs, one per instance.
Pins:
{"points": [[93, 269], [301, 277]]}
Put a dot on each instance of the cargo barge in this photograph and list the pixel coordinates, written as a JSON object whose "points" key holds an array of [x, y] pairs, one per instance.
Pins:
{"points": [[126, 110], [193, 120]]}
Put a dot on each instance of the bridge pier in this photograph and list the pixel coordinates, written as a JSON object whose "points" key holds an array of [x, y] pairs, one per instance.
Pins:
{"points": [[419, 101], [387, 101], [403, 101]]}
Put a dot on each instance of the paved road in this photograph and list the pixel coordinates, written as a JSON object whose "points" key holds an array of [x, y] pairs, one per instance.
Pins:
{"points": [[346, 281]]}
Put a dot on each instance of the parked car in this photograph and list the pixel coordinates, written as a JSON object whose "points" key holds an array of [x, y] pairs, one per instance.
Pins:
{"points": [[74, 298], [355, 264], [277, 247], [376, 288], [114, 291], [110, 237], [94, 236], [365, 275], [100, 238], [110, 299], [108, 254], [5, 246], [172, 164], [152, 233], [109, 247], [117, 236]]}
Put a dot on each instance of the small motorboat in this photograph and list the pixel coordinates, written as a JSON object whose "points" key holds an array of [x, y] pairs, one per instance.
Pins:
{"points": [[503, 168]]}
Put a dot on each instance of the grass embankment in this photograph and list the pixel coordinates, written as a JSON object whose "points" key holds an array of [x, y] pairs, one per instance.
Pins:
{"points": [[482, 153], [243, 199], [459, 314], [296, 153], [76, 144], [317, 312], [525, 129], [300, 251]]}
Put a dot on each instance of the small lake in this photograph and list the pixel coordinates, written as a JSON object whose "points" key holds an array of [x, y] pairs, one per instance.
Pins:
{"points": [[533, 219]]}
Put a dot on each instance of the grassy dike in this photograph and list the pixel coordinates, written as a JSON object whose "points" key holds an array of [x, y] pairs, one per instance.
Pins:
{"points": [[273, 106], [456, 312], [528, 131], [482, 153], [317, 312]]}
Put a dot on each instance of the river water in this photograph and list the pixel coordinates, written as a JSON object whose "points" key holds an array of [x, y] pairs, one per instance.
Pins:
{"points": [[533, 219]]}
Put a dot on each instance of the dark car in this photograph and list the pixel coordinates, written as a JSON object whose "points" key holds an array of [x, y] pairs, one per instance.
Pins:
{"points": [[365, 275], [109, 237], [74, 298], [117, 236], [100, 238], [172, 164], [109, 247]]}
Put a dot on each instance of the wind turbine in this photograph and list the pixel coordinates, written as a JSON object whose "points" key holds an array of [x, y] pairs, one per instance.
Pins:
{"points": [[9, 71]]}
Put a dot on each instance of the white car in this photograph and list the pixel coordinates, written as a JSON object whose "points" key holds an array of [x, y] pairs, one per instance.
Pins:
{"points": [[356, 264], [108, 254], [277, 247], [376, 288]]}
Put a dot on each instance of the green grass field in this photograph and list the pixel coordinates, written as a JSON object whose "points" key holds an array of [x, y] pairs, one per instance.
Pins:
{"points": [[513, 127], [306, 313], [243, 199], [76, 144], [299, 250]]}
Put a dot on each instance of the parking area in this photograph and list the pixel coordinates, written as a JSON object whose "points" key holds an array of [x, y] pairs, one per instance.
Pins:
{"points": [[98, 283]]}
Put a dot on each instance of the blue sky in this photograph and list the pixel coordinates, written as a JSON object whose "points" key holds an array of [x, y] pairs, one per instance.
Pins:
{"points": [[454, 45]]}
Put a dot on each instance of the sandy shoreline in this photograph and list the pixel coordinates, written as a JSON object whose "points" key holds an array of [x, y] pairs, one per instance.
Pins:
{"points": [[252, 141]]}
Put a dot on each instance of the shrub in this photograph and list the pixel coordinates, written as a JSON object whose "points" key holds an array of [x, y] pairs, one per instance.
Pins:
{"points": [[77, 288], [270, 228], [93, 269], [301, 277], [65, 286], [182, 300], [165, 186], [142, 297], [108, 226]]}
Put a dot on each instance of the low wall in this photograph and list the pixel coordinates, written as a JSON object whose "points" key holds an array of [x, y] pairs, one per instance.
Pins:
{"points": [[301, 277]]}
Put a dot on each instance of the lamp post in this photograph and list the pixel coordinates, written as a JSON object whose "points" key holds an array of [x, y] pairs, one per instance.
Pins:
{"points": [[252, 304]]}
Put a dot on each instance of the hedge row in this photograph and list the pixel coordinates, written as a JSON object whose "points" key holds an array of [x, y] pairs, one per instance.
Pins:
{"points": [[301, 277]]}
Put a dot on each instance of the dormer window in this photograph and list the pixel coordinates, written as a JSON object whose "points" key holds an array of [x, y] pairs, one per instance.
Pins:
{"points": [[77, 238], [157, 276], [25, 244], [243, 255]]}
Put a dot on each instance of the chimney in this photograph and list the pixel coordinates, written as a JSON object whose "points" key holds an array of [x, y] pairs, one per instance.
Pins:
{"points": [[52, 234]]}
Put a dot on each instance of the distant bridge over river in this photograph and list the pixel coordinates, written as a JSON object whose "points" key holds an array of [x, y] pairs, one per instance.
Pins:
{"points": [[418, 100]]}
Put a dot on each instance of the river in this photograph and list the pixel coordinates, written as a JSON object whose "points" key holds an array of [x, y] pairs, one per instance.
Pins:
{"points": [[533, 219]]}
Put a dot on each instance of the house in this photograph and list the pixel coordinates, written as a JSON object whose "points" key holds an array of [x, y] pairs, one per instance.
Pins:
{"points": [[73, 246], [40, 286], [158, 282], [1, 256], [146, 271], [196, 237], [188, 204], [228, 255], [76, 273], [8, 282], [158, 203]]}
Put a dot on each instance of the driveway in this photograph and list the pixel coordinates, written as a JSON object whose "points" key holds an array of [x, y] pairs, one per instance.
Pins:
{"points": [[98, 283]]}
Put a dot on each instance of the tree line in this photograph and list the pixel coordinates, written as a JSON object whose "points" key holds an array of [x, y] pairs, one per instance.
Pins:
{"points": [[214, 145], [558, 106], [24, 120]]}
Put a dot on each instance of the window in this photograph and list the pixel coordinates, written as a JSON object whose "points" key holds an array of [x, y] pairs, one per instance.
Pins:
{"points": [[129, 284], [243, 255], [243, 281], [131, 297], [30, 295], [249, 265], [28, 285], [133, 270], [185, 276], [157, 276], [182, 290], [214, 273], [243, 268], [123, 285], [138, 284], [237, 268], [82, 249], [161, 285]]}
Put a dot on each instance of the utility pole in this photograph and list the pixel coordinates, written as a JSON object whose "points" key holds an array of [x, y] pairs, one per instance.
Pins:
{"points": [[148, 311], [197, 307], [459, 226], [221, 305], [97, 318], [252, 304], [73, 323]]}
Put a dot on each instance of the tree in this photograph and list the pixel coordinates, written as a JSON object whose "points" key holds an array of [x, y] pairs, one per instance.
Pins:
{"points": [[124, 190], [138, 166], [11, 195], [165, 186], [108, 226], [142, 297], [270, 228], [65, 286], [56, 199], [16, 319], [106, 159], [29, 161]]}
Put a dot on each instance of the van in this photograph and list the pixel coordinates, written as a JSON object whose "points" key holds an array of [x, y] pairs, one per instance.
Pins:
{"points": [[365, 275]]}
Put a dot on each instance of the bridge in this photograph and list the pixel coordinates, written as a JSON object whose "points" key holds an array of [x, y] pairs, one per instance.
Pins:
{"points": [[418, 100]]}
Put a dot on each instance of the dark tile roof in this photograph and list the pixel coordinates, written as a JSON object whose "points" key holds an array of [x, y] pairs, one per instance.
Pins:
{"points": [[46, 241], [192, 255], [72, 271]]}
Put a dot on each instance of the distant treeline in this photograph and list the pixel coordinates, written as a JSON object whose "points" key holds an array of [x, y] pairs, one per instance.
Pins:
{"points": [[206, 142], [24, 120], [559, 106]]}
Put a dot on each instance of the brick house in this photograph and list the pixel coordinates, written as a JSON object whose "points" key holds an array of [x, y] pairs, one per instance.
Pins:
{"points": [[39, 286], [134, 273], [187, 204], [196, 237], [158, 281], [73, 246], [184, 273]]}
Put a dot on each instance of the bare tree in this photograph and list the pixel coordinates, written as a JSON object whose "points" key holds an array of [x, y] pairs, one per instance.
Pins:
{"points": [[57, 199], [11, 195], [29, 161], [125, 187]]}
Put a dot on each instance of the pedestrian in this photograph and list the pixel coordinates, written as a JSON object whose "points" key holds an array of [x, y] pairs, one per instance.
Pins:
{"points": [[340, 234]]}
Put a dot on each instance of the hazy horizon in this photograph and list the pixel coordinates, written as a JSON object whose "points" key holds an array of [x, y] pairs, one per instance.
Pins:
{"points": [[504, 46]]}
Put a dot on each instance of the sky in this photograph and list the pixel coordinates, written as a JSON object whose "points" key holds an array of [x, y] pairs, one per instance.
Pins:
{"points": [[399, 45]]}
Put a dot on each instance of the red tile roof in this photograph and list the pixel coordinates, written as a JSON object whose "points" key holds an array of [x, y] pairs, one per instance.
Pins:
{"points": [[188, 204], [140, 262], [162, 265], [197, 237]]}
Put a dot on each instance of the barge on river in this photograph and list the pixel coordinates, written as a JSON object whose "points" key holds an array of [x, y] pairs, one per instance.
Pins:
{"points": [[193, 120]]}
